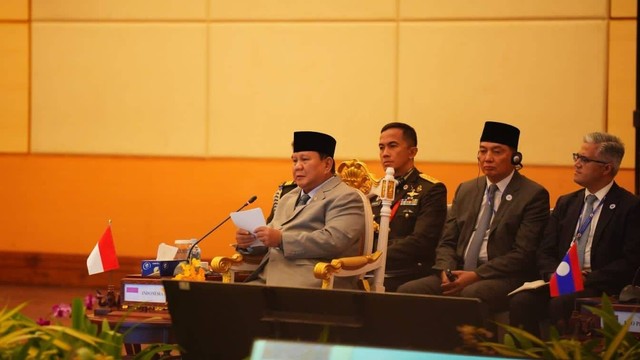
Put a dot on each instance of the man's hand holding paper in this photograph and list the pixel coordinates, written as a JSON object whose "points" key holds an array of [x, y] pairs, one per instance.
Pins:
{"points": [[269, 237], [249, 222]]}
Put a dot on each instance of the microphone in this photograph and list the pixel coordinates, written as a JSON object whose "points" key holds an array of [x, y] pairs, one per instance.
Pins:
{"points": [[630, 293], [252, 199]]}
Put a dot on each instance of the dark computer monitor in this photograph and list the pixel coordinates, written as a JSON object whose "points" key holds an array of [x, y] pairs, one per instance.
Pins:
{"points": [[220, 321]]}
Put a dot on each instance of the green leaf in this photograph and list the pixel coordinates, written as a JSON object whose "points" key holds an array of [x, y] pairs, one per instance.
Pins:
{"points": [[632, 353], [87, 338], [152, 350], [557, 348], [524, 338], [324, 335], [506, 350], [617, 341], [78, 316], [5, 314]]}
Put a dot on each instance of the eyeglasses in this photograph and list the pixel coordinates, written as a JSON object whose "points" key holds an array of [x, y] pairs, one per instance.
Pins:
{"points": [[586, 160]]}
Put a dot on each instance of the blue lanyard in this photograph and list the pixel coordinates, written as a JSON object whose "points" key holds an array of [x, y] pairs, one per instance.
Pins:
{"points": [[587, 221]]}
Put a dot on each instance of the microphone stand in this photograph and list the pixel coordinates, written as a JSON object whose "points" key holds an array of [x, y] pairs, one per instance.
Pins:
{"points": [[252, 199]]}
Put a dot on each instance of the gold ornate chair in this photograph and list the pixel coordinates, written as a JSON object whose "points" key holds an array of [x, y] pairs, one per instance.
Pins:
{"points": [[355, 174]]}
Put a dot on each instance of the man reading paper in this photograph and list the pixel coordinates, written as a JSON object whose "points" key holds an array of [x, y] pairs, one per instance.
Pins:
{"points": [[321, 219]]}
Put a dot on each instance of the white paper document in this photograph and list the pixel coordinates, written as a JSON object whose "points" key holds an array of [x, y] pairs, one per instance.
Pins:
{"points": [[529, 285], [249, 220]]}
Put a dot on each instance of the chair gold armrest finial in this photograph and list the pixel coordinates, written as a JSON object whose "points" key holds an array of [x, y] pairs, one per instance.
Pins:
{"points": [[325, 271], [223, 264]]}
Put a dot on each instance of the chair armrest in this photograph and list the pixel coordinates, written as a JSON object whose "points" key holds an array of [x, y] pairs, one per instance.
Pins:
{"points": [[346, 266], [223, 265]]}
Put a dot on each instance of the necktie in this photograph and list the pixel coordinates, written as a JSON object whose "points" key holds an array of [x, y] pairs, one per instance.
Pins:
{"points": [[471, 259], [303, 200], [582, 241]]}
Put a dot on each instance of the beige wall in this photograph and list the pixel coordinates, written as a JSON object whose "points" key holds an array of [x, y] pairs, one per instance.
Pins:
{"points": [[14, 76], [622, 73], [193, 78]]}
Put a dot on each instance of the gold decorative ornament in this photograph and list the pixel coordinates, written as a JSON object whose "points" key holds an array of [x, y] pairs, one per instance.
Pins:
{"points": [[324, 271], [223, 264], [356, 174]]}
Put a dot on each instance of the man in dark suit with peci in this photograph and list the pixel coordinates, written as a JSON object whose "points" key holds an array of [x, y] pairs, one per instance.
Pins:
{"points": [[493, 229]]}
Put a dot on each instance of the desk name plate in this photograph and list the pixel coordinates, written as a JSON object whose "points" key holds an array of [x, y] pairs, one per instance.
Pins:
{"points": [[621, 311], [140, 291], [623, 315]]}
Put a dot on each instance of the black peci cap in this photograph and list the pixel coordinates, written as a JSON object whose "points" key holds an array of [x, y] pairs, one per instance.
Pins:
{"points": [[314, 141], [501, 133]]}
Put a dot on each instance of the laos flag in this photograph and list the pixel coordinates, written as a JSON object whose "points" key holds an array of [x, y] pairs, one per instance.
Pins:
{"points": [[568, 277]]}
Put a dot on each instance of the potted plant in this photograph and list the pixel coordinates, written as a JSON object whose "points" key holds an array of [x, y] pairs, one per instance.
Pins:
{"points": [[24, 338], [615, 341]]}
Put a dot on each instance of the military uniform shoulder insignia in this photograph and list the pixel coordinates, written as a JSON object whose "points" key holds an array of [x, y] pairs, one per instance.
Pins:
{"points": [[283, 188], [288, 185], [429, 178]]}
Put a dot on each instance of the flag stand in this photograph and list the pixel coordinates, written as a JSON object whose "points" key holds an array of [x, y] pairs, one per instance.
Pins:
{"points": [[110, 301], [103, 259]]}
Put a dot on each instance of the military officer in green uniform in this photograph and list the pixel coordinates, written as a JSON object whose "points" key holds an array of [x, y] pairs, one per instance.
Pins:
{"points": [[418, 211]]}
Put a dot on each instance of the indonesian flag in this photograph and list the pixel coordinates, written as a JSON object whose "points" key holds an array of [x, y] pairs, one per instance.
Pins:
{"points": [[567, 278], [103, 257]]}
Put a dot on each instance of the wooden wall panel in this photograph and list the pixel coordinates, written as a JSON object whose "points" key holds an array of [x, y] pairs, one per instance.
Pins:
{"points": [[268, 80], [61, 204], [545, 77], [14, 87], [502, 9], [51, 269], [622, 85], [14, 10], [119, 9], [624, 8], [119, 88], [298, 10]]}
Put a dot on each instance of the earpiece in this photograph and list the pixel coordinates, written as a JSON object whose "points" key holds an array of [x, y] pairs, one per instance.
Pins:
{"points": [[516, 158]]}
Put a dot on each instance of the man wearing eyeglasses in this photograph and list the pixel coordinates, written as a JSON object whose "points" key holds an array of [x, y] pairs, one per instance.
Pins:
{"points": [[604, 220]]}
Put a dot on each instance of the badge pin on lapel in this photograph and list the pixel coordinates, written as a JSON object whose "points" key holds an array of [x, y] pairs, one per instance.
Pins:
{"points": [[612, 206], [508, 197]]}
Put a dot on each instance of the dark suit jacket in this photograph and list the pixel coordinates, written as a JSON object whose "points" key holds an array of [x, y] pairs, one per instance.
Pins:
{"points": [[615, 249], [514, 234], [417, 224]]}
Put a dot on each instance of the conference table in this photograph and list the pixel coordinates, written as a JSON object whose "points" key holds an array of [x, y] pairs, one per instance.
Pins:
{"points": [[143, 322], [139, 327], [585, 323]]}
